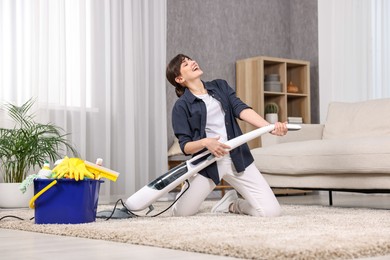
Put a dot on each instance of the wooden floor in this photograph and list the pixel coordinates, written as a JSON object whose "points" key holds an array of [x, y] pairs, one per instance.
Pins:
{"points": [[27, 245]]}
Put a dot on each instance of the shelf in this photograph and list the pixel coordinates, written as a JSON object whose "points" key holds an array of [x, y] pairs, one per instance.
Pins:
{"points": [[250, 75], [292, 95], [270, 93]]}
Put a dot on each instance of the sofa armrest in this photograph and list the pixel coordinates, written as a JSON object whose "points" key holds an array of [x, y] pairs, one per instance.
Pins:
{"points": [[308, 132]]}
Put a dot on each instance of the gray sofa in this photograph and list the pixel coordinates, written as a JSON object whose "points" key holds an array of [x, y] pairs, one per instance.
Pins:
{"points": [[349, 152]]}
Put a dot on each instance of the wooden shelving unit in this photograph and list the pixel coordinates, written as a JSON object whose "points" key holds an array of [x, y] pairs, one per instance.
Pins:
{"points": [[250, 74]]}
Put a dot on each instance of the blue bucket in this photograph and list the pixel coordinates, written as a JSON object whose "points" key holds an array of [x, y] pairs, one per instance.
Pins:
{"points": [[67, 202]]}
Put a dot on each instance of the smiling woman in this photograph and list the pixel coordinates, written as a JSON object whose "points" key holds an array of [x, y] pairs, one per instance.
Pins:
{"points": [[204, 118]]}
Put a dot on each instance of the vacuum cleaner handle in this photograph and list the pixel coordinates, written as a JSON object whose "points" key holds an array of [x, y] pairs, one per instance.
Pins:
{"points": [[234, 143], [166, 182]]}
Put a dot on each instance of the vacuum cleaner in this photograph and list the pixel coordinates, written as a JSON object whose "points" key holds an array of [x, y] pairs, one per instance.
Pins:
{"points": [[151, 192]]}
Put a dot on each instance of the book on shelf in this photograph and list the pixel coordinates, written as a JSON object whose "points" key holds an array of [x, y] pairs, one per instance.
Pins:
{"points": [[294, 120]]}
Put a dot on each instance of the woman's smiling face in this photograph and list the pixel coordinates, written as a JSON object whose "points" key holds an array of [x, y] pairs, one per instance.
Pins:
{"points": [[189, 70]]}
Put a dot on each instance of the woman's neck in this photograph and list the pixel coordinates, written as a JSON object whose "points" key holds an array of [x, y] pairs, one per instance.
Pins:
{"points": [[197, 87]]}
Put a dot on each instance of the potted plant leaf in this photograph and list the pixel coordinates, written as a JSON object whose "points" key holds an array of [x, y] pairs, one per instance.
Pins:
{"points": [[25, 147], [271, 112]]}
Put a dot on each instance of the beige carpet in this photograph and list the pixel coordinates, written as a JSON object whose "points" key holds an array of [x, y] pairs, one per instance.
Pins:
{"points": [[302, 232]]}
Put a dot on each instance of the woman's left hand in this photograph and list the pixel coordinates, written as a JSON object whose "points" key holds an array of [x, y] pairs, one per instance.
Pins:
{"points": [[280, 129]]}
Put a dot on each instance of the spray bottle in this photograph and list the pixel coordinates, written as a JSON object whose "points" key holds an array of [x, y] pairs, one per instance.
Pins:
{"points": [[45, 172]]}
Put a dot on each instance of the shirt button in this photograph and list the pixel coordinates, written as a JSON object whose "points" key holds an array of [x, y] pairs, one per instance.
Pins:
{"points": [[227, 123]]}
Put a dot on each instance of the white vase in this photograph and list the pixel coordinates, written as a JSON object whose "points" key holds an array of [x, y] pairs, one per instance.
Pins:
{"points": [[12, 197], [271, 118]]}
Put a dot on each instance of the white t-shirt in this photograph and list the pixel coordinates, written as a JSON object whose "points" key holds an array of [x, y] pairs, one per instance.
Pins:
{"points": [[215, 122]]}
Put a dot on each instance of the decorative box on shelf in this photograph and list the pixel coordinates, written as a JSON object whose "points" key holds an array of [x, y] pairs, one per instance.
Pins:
{"points": [[294, 120]]}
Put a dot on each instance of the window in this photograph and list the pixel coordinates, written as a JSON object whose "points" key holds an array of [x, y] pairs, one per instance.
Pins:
{"points": [[46, 51]]}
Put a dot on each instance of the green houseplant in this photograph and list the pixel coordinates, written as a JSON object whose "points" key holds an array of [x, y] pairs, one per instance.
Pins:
{"points": [[271, 111], [28, 144]]}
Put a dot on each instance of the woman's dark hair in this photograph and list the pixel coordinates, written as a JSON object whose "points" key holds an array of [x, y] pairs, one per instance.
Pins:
{"points": [[173, 71]]}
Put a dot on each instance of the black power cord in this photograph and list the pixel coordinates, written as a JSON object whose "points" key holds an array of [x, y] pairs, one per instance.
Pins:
{"points": [[158, 214], [124, 206], [10, 216]]}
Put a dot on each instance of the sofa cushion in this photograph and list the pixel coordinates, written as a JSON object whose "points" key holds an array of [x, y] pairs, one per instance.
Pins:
{"points": [[360, 119], [175, 148], [332, 156]]}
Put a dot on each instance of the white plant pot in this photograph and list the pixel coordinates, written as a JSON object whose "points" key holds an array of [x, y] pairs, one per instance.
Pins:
{"points": [[271, 118], [12, 197]]}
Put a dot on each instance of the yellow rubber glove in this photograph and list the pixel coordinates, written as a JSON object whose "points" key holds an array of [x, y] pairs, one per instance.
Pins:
{"points": [[74, 168], [79, 170], [61, 169]]}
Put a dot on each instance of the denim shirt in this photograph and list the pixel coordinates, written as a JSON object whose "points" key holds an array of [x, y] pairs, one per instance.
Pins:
{"points": [[189, 116]]}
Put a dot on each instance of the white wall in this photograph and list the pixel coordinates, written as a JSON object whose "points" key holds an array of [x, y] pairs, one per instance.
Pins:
{"points": [[324, 59]]}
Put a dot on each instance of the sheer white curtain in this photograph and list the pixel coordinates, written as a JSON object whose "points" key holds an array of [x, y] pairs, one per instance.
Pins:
{"points": [[380, 13], [354, 53], [97, 69]]}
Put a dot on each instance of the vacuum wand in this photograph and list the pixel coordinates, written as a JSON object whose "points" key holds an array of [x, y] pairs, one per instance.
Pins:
{"points": [[170, 180]]}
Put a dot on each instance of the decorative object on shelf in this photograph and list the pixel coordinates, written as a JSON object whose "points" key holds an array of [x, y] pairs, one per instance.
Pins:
{"points": [[271, 112], [291, 88], [272, 83], [295, 120]]}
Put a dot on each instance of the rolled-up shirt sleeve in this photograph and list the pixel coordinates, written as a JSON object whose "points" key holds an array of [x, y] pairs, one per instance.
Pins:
{"points": [[181, 126]]}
